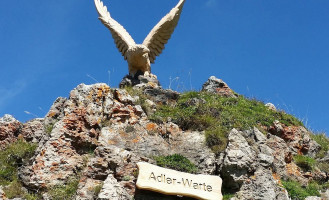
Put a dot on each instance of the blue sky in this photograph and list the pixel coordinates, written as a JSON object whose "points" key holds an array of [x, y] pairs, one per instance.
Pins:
{"points": [[275, 50]]}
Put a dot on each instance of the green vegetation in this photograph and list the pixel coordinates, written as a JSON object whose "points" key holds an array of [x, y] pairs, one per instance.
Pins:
{"points": [[296, 191], [97, 190], [305, 162], [66, 191], [323, 141], [50, 127], [176, 162], [218, 115], [14, 190], [11, 158], [126, 178], [227, 196], [323, 166]]}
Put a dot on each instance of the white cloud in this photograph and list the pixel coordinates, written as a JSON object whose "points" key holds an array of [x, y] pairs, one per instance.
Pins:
{"points": [[10, 92], [211, 3]]}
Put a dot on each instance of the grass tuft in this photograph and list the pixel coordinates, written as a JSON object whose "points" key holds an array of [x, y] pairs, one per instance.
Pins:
{"points": [[176, 162], [305, 162], [323, 141], [13, 157], [66, 191], [297, 192]]}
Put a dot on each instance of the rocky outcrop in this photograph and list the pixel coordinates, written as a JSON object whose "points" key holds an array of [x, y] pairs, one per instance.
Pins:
{"points": [[9, 130], [297, 138], [217, 86], [105, 122], [98, 134]]}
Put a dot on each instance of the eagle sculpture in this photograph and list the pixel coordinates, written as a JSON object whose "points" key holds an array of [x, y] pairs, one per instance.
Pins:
{"points": [[140, 56]]}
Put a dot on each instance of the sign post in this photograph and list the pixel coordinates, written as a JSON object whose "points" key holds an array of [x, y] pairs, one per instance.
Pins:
{"points": [[171, 182]]}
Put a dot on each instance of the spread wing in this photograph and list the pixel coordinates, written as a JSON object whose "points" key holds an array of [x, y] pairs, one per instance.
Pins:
{"points": [[162, 32], [121, 37]]}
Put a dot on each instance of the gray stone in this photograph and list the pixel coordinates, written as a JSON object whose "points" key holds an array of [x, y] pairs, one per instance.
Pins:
{"points": [[112, 190], [262, 186], [239, 160], [270, 106]]}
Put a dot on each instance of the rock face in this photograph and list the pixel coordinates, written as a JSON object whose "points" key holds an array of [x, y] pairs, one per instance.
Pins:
{"points": [[98, 134]]}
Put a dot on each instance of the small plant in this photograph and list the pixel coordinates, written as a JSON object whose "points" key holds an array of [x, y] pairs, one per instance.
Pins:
{"points": [[228, 193], [297, 192], [216, 139], [323, 141], [14, 190], [227, 196], [323, 166], [66, 191], [176, 162], [126, 178], [305, 162], [49, 128], [97, 190]]}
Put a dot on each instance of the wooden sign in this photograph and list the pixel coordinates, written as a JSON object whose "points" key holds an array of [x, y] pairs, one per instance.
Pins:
{"points": [[171, 182]]}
